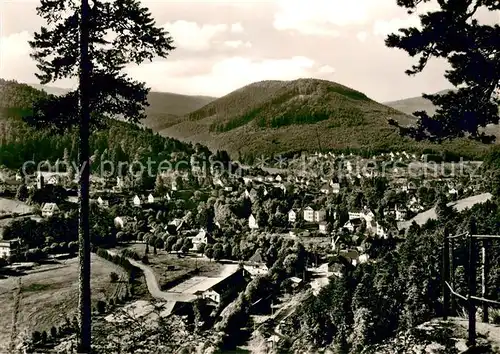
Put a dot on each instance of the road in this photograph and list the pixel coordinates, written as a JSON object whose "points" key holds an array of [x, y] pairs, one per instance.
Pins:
{"points": [[459, 206], [154, 288]]}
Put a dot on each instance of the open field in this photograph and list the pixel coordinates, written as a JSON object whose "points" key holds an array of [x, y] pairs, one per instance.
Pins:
{"points": [[459, 205], [168, 267], [9, 206], [46, 297]]}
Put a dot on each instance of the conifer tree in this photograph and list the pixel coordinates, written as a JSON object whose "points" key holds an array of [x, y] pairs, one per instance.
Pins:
{"points": [[93, 40], [471, 46]]}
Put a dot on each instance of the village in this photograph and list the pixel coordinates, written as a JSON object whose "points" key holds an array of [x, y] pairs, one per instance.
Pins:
{"points": [[204, 234]]}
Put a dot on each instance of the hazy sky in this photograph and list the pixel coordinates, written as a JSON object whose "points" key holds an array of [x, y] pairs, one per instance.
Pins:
{"points": [[222, 46]]}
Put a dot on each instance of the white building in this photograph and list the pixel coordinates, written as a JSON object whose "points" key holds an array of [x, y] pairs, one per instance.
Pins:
{"points": [[292, 216], [50, 209], [252, 222], [151, 199], [319, 215], [137, 201], [102, 203], [198, 240], [323, 228], [309, 214]]}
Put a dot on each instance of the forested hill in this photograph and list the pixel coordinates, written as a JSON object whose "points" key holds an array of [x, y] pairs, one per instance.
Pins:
{"points": [[119, 142]]}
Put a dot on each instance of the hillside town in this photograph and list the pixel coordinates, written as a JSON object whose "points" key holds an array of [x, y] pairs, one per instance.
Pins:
{"points": [[259, 177], [300, 226]]}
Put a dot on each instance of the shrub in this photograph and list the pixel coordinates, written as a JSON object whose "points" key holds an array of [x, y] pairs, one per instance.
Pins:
{"points": [[113, 277], [44, 337], [53, 332], [101, 307], [36, 337]]}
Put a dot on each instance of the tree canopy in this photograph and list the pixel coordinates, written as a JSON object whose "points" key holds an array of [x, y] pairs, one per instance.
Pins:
{"points": [[471, 47], [122, 32]]}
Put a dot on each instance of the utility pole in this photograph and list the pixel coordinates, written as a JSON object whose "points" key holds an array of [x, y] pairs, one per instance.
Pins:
{"points": [[453, 304], [84, 339], [472, 284], [446, 274], [484, 279]]}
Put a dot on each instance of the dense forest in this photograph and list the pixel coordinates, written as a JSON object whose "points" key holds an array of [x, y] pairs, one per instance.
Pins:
{"points": [[403, 289], [119, 142]]}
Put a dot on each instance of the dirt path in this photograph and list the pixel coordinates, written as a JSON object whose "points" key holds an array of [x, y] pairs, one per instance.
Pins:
{"points": [[15, 315]]}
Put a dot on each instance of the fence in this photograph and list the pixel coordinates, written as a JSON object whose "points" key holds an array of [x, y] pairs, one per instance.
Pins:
{"points": [[449, 292]]}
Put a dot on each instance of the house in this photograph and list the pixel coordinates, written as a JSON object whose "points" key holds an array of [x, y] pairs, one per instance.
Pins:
{"points": [[309, 214], [367, 214], [400, 215], [270, 178], [40, 183], [323, 229], [319, 215], [380, 231], [137, 201], [351, 225], [151, 199], [247, 180], [168, 197], [296, 282], [354, 216], [218, 182], [246, 194], [325, 189], [228, 188], [119, 182], [102, 203], [278, 178], [174, 185], [50, 209], [121, 221], [54, 180], [292, 216], [256, 265], [202, 238], [335, 188], [252, 222], [225, 288], [9, 248]]}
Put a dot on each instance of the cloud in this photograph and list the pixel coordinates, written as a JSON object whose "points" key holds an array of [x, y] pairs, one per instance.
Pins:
{"points": [[383, 28], [220, 77], [191, 36], [326, 69], [361, 36], [14, 57], [238, 44], [321, 17], [237, 27]]}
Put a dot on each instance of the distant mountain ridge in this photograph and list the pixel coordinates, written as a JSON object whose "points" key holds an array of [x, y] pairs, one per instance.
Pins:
{"points": [[274, 117], [165, 108], [413, 104]]}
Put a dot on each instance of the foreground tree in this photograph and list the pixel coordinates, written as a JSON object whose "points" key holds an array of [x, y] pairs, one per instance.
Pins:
{"points": [[94, 42], [454, 32]]}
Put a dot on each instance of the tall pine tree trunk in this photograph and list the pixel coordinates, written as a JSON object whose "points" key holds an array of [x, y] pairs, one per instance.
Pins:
{"points": [[84, 343]]}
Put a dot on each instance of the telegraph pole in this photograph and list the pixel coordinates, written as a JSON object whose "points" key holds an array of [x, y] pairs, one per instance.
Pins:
{"points": [[446, 274], [84, 311], [484, 279], [472, 284]]}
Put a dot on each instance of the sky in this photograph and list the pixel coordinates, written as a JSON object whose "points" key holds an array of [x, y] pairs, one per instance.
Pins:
{"points": [[222, 46]]}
